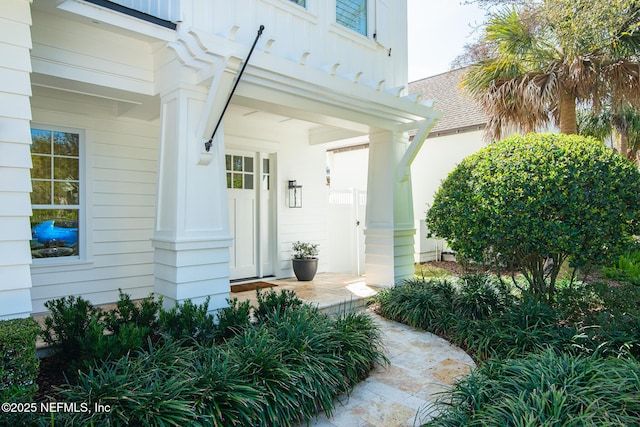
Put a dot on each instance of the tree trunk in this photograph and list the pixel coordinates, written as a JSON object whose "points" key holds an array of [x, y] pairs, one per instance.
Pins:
{"points": [[624, 139], [568, 119]]}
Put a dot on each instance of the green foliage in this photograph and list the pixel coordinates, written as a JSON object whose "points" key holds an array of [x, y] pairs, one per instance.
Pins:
{"points": [[538, 197], [270, 302], [68, 324], [19, 368], [626, 268], [143, 314], [543, 390], [304, 250], [188, 321], [233, 319], [281, 371]]}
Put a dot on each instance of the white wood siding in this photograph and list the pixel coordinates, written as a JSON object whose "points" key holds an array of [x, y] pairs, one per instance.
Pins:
{"points": [[295, 31], [120, 194], [15, 160]]}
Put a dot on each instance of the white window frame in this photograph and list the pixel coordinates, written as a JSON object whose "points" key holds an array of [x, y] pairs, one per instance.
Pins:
{"points": [[82, 202]]}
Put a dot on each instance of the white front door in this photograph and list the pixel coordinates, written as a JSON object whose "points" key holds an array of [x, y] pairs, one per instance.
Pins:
{"points": [[248, 176]]}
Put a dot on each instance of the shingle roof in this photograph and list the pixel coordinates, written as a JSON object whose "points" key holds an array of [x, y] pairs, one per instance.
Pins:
{"points": [[460, 112]]}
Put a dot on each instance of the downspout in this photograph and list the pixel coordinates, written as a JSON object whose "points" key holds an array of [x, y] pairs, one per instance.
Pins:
{"points": [[209, 143]]}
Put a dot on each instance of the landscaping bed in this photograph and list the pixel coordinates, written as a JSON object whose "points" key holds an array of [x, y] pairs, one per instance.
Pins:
{"points": [[570, 361], [280, 362]]}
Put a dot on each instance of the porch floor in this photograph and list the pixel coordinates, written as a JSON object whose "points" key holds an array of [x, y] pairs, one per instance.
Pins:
{"points": [[330, 292]]}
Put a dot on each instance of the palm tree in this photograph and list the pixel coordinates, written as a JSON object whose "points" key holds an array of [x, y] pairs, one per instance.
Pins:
{"points": [[625, 122], [534, 64]]}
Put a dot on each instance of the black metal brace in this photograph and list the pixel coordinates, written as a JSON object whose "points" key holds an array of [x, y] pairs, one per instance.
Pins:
{"points": [[209, 143]]}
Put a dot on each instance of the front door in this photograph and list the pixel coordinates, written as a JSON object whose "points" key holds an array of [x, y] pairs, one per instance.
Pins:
{"points": [[248, 176]]}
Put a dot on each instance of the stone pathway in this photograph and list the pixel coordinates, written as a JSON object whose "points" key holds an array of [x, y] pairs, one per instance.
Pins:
{"points": [[402, 393]]}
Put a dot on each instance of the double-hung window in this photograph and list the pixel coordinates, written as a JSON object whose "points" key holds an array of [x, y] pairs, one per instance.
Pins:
{"points": [[352, 14], [55, 197]]}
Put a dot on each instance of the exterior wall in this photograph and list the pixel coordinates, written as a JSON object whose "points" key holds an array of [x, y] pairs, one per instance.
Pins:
{"points": [[291, 31], [15, 160], [438, 157], [295, 159], [120, 196], [115, 78]]}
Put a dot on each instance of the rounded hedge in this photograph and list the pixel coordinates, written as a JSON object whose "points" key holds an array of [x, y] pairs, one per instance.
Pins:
{"points": [[539, 196]]}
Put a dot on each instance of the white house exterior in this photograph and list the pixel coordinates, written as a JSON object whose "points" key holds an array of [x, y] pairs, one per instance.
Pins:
{"points": [[105, 111], [458, 134]]}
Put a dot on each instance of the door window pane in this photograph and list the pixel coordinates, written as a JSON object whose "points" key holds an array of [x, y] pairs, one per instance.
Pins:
{"points": [[237, 163], [248, 164], [248, 182], [237, 181]]}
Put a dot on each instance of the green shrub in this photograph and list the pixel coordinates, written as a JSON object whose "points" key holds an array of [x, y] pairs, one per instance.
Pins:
{"points": [[68, 325], [281, 371], [627, 268], [545, 389], [272, 301], [19, 368], [143, 314], [425, 304], [538, 197], [233, 319], [188, 321]]}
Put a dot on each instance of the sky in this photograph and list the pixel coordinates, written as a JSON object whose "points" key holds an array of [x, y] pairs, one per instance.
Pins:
{"points": [[438, 30]]}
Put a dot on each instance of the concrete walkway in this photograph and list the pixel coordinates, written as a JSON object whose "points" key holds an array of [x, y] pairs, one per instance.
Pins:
{"points": [[402, 393]]}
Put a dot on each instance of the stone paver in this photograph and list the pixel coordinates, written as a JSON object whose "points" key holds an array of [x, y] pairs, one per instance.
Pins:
{"points": [[402, 393]]}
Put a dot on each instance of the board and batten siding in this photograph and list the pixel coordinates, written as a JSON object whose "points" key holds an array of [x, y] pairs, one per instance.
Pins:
{"points": [[120, 164], [15, 160]]}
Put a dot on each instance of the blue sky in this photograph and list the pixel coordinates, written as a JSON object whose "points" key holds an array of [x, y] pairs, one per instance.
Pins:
{"points": [[438, 30]]}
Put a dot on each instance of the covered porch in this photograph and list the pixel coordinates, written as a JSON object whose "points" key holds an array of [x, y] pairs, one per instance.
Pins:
{"points": [[330, 292]]}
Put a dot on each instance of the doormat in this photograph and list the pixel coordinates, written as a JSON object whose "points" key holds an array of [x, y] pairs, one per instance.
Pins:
{"points": [[251, 286]]}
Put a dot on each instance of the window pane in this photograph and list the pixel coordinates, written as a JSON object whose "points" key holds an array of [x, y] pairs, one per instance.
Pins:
{"points": [[65, 144], [237, 180], [227, 160], [265, 165], [54, 233], [228, 179], [302, 3], [41, 167], [65, 193], [41, 192], [266, 184], [64, 168], [40, 141], [248, 164], [237, 163], [352, 14], [248, 181]]}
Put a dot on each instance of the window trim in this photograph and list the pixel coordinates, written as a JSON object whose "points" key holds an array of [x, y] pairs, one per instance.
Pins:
{"points": [[83, 257]]}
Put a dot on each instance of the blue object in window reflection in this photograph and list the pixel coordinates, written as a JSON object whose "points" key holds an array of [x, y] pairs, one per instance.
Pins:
{"points": [[54, 238]]}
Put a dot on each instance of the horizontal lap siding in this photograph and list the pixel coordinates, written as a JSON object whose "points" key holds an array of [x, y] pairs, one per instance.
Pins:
{"points": [[121, 161], [15, 164]]}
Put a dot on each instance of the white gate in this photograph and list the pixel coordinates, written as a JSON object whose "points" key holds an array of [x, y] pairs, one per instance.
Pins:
{"points": [[346, 230]]}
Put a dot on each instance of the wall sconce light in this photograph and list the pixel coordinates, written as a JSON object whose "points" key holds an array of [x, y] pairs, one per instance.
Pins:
{"points": [[295, 195]]}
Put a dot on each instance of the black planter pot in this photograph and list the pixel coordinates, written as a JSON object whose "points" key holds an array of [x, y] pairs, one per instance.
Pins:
{"points": [[305, 269]]}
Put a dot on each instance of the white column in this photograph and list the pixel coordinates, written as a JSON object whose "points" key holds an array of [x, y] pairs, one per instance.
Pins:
{"points": [[15, 160], [390, 229], [191, 237]]}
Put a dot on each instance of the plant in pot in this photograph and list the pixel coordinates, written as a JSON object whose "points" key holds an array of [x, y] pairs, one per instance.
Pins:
{"points": [[305, 260]]}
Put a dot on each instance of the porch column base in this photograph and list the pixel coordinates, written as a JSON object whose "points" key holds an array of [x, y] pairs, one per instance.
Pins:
{"points": [[389, 256], [192, 269]]}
